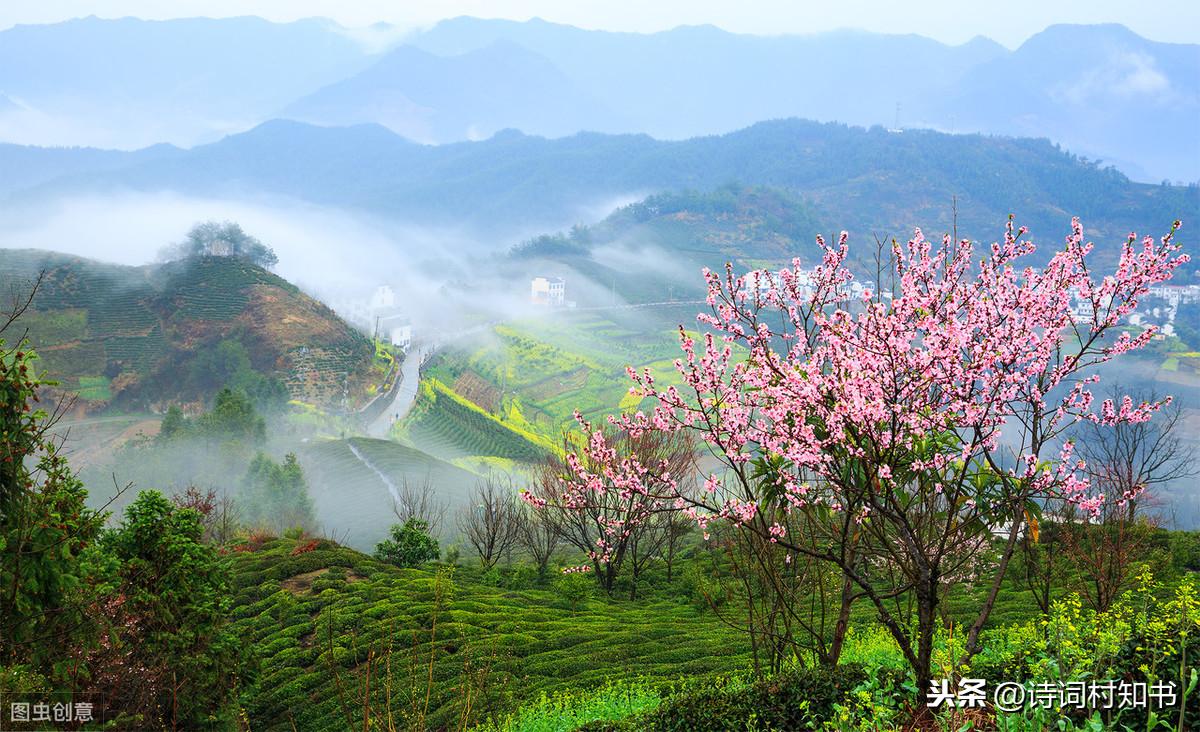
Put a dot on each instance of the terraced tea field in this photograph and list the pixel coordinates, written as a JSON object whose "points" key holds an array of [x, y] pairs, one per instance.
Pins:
{"points": [[544, 369], [449, 426], [352, 483], [126, 335], [317, 617]]}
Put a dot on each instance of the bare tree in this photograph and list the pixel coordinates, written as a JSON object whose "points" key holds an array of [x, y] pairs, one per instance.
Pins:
{"points": [[491, 522], [678, 526], [419, 501], [538, 535], [1129, 457], [645, 545], [218, 513], [1042, 557], [1129, 461]]}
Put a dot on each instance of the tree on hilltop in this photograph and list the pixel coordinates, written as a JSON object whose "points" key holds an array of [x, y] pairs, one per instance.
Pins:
{"points": [[225, 239]]}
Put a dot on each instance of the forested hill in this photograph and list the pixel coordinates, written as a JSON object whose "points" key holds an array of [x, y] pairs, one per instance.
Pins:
{"points": [[682, 231], [136, 337], [864, 180]]}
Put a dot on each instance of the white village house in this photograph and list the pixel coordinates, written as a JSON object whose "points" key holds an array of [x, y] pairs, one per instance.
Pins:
{"points": [[395, 327], [378, 315], [549, 291]]}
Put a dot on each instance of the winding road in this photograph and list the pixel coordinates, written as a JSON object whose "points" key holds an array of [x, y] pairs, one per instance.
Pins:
{"points": [[403, 396]]}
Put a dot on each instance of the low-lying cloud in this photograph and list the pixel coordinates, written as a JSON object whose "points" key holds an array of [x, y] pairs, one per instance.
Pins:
{"points": [[438, 274]]}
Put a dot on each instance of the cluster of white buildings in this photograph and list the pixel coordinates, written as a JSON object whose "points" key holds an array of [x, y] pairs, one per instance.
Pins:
{"points": [[379, 316], [1159, 307], [763, 280], [1176, 295]]}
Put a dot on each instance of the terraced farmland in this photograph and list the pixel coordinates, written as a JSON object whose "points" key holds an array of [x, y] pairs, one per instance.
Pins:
{"points": [[449, 426], [545, 369], [355, 501], [135, 329], [314, 618], [213, 288]]}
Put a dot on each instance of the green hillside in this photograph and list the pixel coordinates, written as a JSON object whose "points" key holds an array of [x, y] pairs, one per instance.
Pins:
{"points": [[533, 374], [653, 250], [350, 495], [139, 336], [316, 618], [746, 225], [448, 647], [450, 426]]}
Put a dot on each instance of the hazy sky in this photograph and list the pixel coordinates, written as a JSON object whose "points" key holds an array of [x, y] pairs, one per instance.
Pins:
{"points": [[953, 21]]}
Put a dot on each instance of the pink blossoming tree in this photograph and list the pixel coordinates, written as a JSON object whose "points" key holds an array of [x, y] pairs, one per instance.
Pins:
{"points": [[923, 428]]}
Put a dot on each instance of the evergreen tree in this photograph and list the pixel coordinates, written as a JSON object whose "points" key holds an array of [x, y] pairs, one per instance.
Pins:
{"points": [[168, 657], [410, 545], [276, 495], [44, 527], [233, 419], [173, 424]]}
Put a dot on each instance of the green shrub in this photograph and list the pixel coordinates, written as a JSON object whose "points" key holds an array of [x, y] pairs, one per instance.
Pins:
{"points": [[522, 577], [410, 545], [794, 700], [702, 590], [574, 588], [1185, 550]]}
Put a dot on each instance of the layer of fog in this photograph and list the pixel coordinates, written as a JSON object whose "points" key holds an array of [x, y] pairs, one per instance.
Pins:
{"points": [[447, 280], [109, 128], [335, 255]]}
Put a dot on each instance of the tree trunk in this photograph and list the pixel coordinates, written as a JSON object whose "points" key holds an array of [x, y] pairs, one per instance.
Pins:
{"points": [[927, 603], [841, 626]]}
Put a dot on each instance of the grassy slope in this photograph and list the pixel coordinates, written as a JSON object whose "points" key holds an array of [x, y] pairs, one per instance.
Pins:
{"points": [[312, 627], [348, 494], [654, 250], [128, 334], [315, 618], [533, 374], [446, 424]]}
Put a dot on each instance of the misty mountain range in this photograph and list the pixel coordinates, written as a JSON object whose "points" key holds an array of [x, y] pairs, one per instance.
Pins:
{"points": [[1100, 91], [513, 185]]}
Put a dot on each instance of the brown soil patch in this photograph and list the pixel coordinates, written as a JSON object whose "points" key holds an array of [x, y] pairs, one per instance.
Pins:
{"points": [[474, 388], [302, 582]]}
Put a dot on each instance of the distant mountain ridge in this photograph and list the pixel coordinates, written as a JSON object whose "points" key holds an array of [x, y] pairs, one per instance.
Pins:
{"points": [[1101, 91], [128, 83], [867, 181], [436, 99], [697, 80]]}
